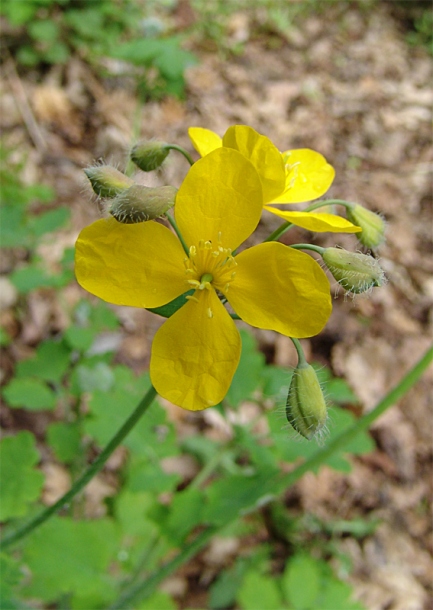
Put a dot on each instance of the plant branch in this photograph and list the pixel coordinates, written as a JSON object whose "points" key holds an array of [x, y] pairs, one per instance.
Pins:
{"points": [[145, 589], [88, 474]]}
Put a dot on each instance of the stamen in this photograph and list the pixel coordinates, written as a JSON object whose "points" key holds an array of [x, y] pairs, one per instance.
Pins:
{"points": [[191, 297], [209, 312]]}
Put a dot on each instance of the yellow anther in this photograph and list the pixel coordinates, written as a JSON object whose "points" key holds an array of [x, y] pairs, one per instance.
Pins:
{"points": [[192, 298], [209, 312]]}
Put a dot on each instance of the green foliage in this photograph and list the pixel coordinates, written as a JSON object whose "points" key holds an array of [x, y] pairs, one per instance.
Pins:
{"points": [[29, 393], [163, 54], [50, 30], [89, 563], [21, 483], [72, 557]]}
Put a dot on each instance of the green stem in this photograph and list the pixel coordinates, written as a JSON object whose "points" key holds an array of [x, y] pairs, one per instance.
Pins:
{"points": [[173, 223], [182, 151], [312, 247], [278, 232], [361, 424], [146, 588], [302, 362], [97, 465]]}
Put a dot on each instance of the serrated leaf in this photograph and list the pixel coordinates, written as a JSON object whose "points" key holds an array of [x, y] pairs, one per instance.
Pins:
{"points": [[50, 362], [67, 557], [65, 440], [29, 393], [20, 482]]}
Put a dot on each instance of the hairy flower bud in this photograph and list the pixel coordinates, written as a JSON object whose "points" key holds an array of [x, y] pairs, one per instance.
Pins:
{"points": [[373, 226], [107, 181], [149, 155], [354, 271], [141, 203], [306, 406]]}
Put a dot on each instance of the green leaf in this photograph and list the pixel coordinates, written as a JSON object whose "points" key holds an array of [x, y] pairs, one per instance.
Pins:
{"points": [[276, 383], [50, 362], [65, 440], [90, 378], [258, 591], [10, 576], [157, 601], [21, 483], [224, 589], [249, 371], [290, 449], [30, 278], [143, 476], [71, 557], [152, 436], [4, 337], [49, 221], [29, 393], [185, 513], [44, 31], [301, 582], [131, 510], [80, 338], [229, 497], [337, 595]]}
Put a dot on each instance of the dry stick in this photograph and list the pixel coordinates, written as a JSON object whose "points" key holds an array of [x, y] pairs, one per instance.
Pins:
{"points": [[148, 586], [97, 465], [21, 99]]}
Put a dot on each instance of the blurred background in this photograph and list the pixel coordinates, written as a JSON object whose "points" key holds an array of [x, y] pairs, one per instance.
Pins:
{"points": [[84, 81]]}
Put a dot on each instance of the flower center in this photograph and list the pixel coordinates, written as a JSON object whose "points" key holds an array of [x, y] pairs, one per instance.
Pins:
{"points": [[210, 266]]}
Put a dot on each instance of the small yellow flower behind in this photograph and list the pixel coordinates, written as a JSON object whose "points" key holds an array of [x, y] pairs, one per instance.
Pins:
{"points": [[294, 176], [196, 351]]}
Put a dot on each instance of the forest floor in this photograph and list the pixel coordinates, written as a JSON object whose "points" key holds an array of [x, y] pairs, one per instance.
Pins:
{"points": [[348, 85]]}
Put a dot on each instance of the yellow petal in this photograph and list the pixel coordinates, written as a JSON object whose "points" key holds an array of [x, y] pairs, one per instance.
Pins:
{"points": [[308, 176], [195, 354], [204, 140], [140, 265], [317, 222], [221, 197], [279, 288], [265, 157]]}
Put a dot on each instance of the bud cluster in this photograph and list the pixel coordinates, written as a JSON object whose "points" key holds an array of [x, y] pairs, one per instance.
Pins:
{"points": [[127, 201]]}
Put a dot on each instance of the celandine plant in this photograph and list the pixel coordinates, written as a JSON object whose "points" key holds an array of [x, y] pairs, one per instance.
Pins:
{"points": [[191, 274]]}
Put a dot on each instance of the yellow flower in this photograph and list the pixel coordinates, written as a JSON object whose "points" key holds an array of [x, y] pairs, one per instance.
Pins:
{"points": [[196, 351], [294, 176]]}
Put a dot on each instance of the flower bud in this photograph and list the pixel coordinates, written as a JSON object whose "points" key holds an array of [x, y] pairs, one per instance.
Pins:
{"points": [[373, 226], [306, 406], [141, 203], [149, 155], [356, 272], [107, 181]]}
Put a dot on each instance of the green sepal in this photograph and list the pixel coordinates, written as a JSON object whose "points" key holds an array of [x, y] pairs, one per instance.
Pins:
{"points": [[170, 308]]}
